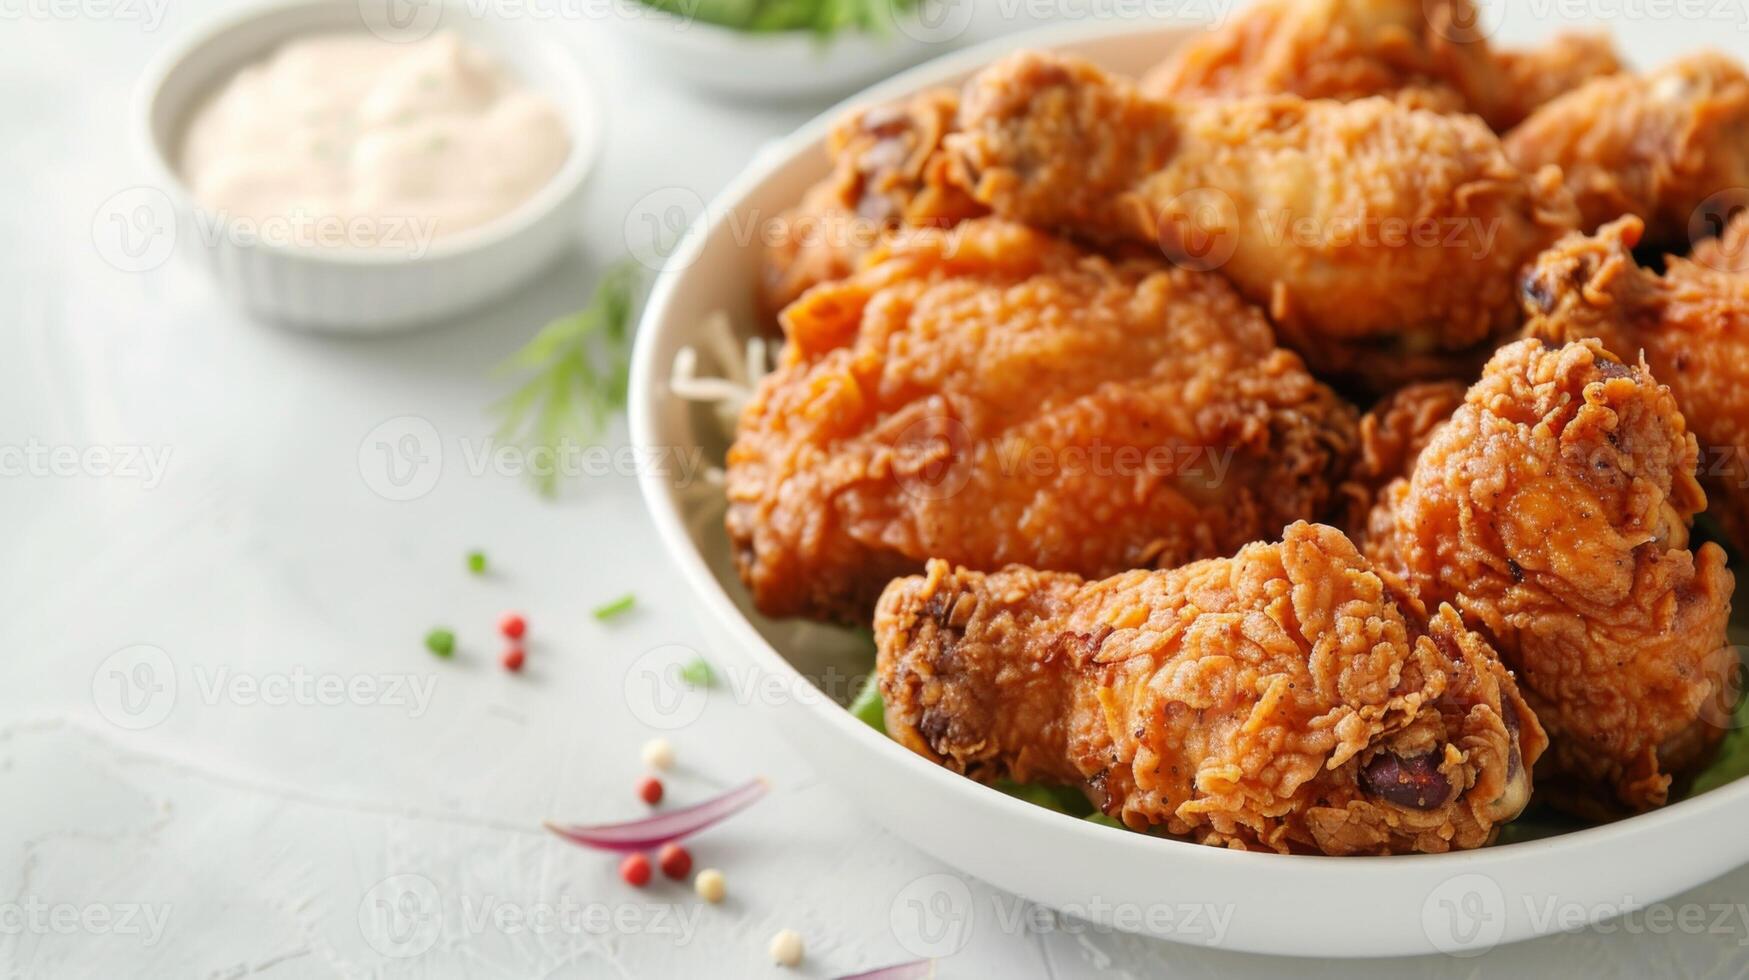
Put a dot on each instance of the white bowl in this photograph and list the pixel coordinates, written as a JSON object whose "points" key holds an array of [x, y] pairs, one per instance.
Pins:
{"points": [[1461, 903], [779, 66], [359, 289]]}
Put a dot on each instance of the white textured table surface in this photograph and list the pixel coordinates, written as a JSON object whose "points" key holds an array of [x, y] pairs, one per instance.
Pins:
{"points": [[310, 766]]}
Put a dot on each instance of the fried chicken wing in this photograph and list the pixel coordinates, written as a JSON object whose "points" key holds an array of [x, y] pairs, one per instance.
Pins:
{"points": [[1691, 325], [1285, 699], [1430, 53], [887, 172], [989, 394], [1384, 240], [1392, 435], [1552, 511], [1656, 146]]}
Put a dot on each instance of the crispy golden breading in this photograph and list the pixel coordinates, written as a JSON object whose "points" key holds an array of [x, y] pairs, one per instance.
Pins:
{"points": [[1430, 53], [886, 173], [1385, 241], [989, 394], [1552, 511], [1691, 325], [1392, 435], [1534, 77], [1656, 145], [1285, 699]]}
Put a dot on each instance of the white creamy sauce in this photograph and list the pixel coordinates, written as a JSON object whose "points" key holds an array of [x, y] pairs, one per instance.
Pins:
{"points": [[355, 141]]}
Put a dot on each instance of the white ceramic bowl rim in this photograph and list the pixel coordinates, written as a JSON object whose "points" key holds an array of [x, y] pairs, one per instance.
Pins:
{"points": [[585, 142], [647, 380]]}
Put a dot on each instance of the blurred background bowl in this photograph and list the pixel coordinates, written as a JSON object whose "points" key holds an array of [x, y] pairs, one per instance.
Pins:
{"points": [[784, 66]]}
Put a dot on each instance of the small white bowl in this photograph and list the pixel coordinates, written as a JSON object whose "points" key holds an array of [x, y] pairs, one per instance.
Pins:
{"points": [[784, 66], [360, 289], [1462, 903]]}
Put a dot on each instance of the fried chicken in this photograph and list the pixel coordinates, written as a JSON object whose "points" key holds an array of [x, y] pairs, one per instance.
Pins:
{"points": [[887, 172], [1533, 77], [1385, 241], [1430, 53], [1691, 325], [1552, 511], [1657, 146], [1285, 699], [1392, 435], [989, 394]]}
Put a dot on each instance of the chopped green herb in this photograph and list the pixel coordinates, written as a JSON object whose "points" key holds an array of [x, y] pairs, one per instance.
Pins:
{"points": [[1104, 821], [440, 641], [868, 706], [616, 607], [698, 674], [477, 562], [573, 376]]}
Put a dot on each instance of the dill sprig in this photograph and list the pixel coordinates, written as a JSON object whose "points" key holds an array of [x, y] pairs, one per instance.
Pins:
{"points": [[574, 375]]}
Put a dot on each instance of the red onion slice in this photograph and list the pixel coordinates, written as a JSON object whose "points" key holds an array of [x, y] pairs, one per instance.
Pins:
{"points": [[919, 970], [653, 832]]}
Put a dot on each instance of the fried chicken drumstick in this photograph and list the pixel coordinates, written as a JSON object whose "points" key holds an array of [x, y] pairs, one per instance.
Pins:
{"points": [[989, 394], [1552, 511], [1691, 325], [1385, 241], [1656, 146], [1285, 699], [1430, 53]]}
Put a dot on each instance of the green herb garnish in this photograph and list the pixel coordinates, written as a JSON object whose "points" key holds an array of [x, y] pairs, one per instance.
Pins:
{"points": [[574, 376], [477, 562], [868, 706], [440, 641], [616, 607], [698, 674]]}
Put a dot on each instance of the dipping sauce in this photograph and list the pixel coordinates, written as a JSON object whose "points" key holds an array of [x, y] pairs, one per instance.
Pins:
{"points": [[351, 140]]}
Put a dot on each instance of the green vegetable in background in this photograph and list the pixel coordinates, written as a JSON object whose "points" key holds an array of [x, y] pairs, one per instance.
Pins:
{"points": [[868, 707], [1732, 761], [823, 17]]}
